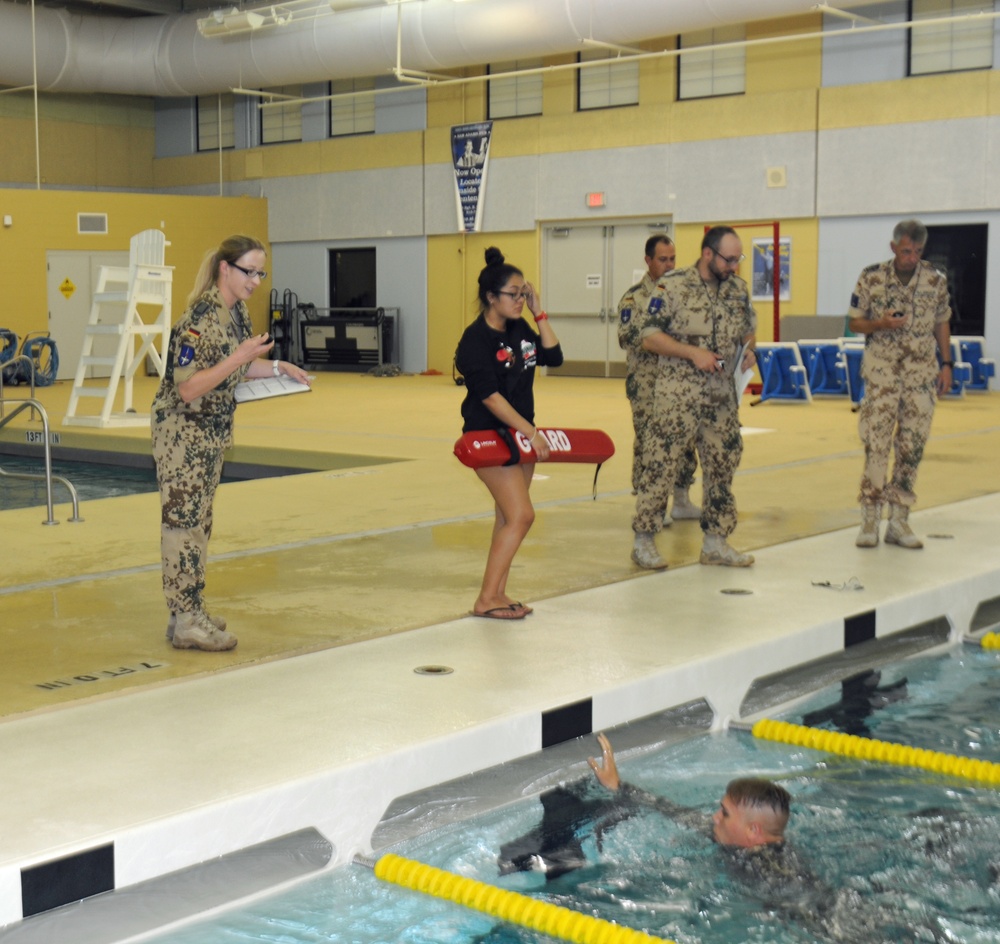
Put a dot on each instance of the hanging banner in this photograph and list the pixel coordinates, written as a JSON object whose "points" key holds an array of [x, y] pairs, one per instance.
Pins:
{"points": [[470, 152]]}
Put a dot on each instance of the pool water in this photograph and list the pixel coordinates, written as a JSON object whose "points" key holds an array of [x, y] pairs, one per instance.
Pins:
{"points": [[90, 479], [882, 853]]}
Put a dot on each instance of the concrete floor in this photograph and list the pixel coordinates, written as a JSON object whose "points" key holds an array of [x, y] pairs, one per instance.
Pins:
{"points": [[341, 582]]}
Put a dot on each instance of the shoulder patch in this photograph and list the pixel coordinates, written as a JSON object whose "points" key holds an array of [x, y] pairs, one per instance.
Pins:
{"points": [[655, 304], [626, 315]]}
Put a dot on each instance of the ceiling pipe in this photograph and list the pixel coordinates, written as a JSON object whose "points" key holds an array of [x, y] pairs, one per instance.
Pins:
{"points": [[168, 56]]}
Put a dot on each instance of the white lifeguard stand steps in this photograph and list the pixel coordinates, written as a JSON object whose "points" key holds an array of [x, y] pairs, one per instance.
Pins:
{"points": [[146, 281]]}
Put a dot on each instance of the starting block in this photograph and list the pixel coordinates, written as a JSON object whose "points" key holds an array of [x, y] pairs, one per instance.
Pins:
{"points": [[782, 373], [970, 351], [852, 350], [825, 366]]}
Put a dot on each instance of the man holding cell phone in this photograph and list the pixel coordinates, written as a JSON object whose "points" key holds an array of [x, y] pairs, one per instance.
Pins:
{"points": [[901, 307]]}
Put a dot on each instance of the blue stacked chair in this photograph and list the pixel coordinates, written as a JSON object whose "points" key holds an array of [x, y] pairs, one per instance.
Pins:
{"points": [[825, 366], [970, 351], [782, 374], [852, 351]]}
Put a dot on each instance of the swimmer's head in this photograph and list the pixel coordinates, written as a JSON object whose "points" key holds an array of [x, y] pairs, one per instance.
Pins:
{"points": [[753, 812]]}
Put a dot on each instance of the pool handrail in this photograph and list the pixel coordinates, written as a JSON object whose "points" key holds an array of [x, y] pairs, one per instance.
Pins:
{"points": [[48, 476], [31, 373]]}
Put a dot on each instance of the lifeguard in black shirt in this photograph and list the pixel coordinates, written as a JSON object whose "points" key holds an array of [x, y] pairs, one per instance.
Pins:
{"points": [[497, 356]]}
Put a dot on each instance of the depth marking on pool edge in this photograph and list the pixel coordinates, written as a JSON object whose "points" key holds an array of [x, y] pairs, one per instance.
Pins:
{"points": [[101, 675]]}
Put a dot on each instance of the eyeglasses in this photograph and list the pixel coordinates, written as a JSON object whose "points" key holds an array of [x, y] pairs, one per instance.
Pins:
{"points": [[517, 296], [250, 273], [729, 260]]}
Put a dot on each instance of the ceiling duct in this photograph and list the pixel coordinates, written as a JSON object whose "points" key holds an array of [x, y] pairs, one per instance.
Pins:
{"points": [[170, 56]]}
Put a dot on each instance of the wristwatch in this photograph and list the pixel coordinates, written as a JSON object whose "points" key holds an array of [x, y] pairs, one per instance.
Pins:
{"points": [[275, 368]]}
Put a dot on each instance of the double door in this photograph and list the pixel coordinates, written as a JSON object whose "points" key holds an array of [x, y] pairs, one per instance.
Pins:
{"points": [[586, 268]]}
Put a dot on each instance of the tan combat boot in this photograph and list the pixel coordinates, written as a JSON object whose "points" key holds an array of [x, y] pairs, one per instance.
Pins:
{"points": [[644, 552], [684, 508], [197, 631], [898, 532], [219, 622], [871, 517], [715, 550]]}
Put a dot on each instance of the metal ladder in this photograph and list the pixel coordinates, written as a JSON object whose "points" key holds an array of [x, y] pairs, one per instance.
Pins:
{"points": [[24, 404]]}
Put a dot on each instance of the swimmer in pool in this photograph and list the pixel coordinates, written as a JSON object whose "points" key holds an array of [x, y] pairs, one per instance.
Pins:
{"points": [[753, 812], [748, 828]]}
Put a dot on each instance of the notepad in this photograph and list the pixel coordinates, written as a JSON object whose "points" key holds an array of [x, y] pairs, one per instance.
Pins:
{"points": [[266, 387]]}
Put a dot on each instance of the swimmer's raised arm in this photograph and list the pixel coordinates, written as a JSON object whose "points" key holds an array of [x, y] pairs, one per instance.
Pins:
{"points": [[606, 772]]}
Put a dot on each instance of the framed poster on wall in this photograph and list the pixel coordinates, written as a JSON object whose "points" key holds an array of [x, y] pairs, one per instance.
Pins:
{"points": [[762, 289]]}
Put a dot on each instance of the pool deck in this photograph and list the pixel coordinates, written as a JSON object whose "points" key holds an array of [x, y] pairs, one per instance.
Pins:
{"points": [[178, 769]]}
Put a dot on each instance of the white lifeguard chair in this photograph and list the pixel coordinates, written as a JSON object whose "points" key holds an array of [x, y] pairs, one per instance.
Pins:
{"points": [[120, 290]]}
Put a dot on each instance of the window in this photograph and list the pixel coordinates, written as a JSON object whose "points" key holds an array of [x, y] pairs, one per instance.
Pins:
{"points": [[354, 114], [216, 122], [282, 123], [949, 47], [515, 95], [718, 69], [607, 86]]}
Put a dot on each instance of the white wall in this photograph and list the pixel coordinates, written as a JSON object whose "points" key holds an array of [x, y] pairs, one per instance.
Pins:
{"points": [[401, 282], [847, 245]]}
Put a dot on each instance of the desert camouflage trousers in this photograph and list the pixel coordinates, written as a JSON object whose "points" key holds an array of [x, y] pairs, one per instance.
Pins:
{"points": [[896, 413], [188, 469], [642, 426], [697, 412]]}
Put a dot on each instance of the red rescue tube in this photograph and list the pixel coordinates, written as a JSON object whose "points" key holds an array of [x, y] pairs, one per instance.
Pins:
{"points": [[489, 447]]}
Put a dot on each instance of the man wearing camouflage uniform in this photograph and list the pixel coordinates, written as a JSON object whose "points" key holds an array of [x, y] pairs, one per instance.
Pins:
{"points": [[640, 378], [700, 322], [901, 306]]}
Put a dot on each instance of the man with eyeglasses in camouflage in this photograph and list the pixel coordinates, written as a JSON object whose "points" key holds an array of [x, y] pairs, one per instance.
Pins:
{"points": [[699, 322]]}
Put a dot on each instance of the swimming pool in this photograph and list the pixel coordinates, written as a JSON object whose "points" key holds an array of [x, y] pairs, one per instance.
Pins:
{"points": [[94, 480], [888, 849], [91, 480]]}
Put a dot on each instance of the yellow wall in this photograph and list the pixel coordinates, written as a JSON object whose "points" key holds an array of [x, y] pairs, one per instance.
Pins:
{"points": [[454, 264], [83, 140], [920, 98], [44, 220], [787, 94], [94, 143]]}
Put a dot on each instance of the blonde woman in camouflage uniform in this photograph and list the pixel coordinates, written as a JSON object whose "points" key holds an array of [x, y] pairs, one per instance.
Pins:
{"points": [[641, 365], [212, 348], [901, 307], [699, 319]]}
